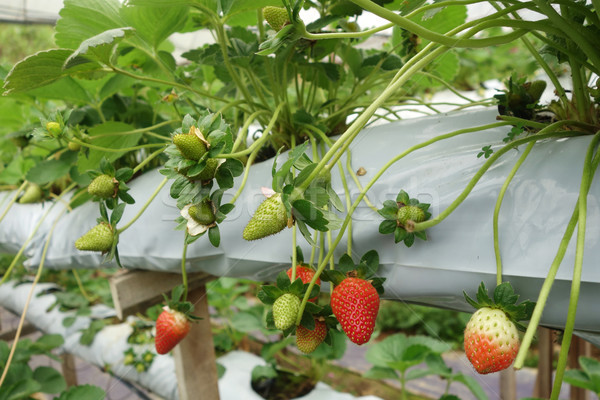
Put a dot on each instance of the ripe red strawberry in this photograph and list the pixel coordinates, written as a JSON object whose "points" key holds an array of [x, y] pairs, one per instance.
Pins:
{"points": [[307, 340], [285, 311], [277, 17], [306, 274], [270, 218], [355, 303], [491, 340], [171, 327]]}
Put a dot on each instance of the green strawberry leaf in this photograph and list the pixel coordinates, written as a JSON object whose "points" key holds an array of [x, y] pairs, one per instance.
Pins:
{"points": [[283, 281], [306, 212], [335, 199], [314, 292], [505, 295], [378, 284], [345, 264], [333, 276], [402, 197], [297, 287], [482, 296], [234, 166], [389, 213], [400, 234], [371, 261], [387, 227], [391, 204], [214, 236], [117, 213], [177, 294], [313, 308], [299, 255], [224, 178], [307, 321], [305, 173], [305, 233]]}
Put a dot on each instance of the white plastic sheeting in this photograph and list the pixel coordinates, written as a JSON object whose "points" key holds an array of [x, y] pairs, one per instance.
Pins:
{"points": [[459, 253], [108, 345]]}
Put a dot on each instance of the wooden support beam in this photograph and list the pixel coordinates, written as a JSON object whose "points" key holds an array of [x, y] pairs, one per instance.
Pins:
{"points": [[67, 362], [195, 360], [135, 291], [9, 334], [508, 384], [579, 347], [543, 382]]}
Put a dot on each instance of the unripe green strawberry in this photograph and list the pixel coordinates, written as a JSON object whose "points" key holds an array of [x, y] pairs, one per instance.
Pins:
{"points": [[536, 89], [33, 194], [355, 303], [140, 367], [491, 340], [277, 17], [269, 219], [209, 171], [53, 128], [410, 213], [73, 146], [202, 213], [129, 359], [99, 238], [307, 340], [148, 357], [102, 186], [190, 145], [285, 311]]}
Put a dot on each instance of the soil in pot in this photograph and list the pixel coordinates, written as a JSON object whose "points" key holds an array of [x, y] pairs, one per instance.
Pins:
{"points": [[284, 386]]}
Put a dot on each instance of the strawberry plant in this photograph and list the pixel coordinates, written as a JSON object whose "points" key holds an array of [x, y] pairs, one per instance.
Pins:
{"points": [[117, 104]]}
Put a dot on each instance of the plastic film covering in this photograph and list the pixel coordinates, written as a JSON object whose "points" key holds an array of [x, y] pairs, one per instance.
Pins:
{"points": [[459, 253]]}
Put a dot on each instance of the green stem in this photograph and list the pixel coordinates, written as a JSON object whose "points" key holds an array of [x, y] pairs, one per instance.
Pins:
{"points": [[140, 130], [294, 254], [258, 144], [167, 83], [35, 229], [244, 132], [184, 276], [497, 210], [139, 214], [120, 150], [368, 187], [543, 134], [344, 35], [13, 200], [28, 301], [584, 189], [344, 141], [444, 40], [147, 160], [85, 294]]}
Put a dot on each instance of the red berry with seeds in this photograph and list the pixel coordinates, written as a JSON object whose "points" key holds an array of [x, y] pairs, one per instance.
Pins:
{"points": [[171, 327], [491, 340], [355, 303], [308, 340]]}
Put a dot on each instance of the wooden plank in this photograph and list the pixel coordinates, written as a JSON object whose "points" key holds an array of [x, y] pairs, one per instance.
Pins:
{"points": [[508, 384], [543, 382], [10, 334], [135, 291], [195, 360], [67, 362], [579, 347]]}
